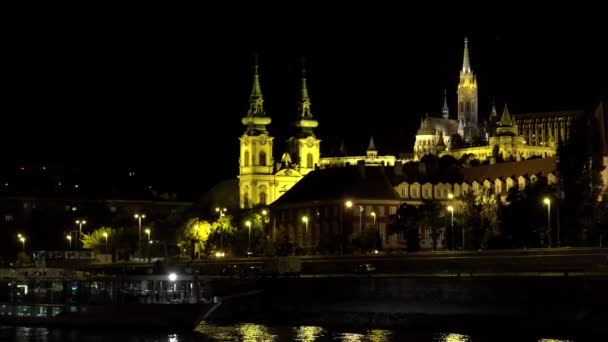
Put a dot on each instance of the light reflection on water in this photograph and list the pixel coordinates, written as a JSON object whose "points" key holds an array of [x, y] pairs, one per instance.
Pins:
{"points": [[249, 332]]}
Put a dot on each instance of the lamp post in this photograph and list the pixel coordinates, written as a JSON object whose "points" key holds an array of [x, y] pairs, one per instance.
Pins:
{"points": [[305, 220], [80, 223], [264, 221], [139, 217], [360, 220], [22, 239], [148, 231], [221, 212], [451, 210], [547, 201], [105, 235], [69, 239], [248, 224]]}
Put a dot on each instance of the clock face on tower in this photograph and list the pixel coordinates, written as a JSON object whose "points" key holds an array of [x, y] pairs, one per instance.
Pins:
{"points": [[262, 140], [310, 143]]}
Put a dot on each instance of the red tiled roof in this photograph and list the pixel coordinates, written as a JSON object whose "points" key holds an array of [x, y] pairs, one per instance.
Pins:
{"points": [[529, 167]]}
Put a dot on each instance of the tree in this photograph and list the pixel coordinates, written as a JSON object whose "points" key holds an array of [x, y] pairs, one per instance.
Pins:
{"points": [[367, 240], [96, 240], [579, 167], [480, 219], [430, 217], [456, 142], [525, 231], [405, 222]]}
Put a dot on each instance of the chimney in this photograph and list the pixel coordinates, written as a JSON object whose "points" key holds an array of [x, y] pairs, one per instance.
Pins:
{"points": [[361, 168], [398, 168]]}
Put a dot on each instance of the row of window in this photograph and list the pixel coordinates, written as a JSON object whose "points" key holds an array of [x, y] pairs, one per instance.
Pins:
{"points": [[262, 159]]}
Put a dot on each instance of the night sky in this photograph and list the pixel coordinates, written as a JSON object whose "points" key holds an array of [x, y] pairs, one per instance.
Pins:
{"points": [[162, 87]]}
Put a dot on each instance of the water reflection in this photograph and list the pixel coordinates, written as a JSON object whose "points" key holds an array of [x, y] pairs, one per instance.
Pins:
{"points": [[308, 333], [248, 332], [451, 337], [255, 333]]}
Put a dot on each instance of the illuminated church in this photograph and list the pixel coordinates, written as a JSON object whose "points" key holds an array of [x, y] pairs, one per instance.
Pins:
{"points": [[507, 137]]}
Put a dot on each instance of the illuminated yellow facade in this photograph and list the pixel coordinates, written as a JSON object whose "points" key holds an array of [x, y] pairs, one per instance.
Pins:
{"points": [[261, 181], [510, 138], [467, 99]]}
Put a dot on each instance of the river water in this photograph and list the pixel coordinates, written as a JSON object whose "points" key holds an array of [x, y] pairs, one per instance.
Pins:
{"points": [[250, 332]]}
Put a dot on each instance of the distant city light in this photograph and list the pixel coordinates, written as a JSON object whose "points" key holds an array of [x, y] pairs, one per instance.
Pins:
{"points": [[76, 186], [172, 277]]}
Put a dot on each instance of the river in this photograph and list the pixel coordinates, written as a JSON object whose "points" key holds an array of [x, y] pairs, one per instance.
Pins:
{"points": [[250, 332]]}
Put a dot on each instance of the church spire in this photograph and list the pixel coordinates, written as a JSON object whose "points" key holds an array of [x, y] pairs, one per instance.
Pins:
{"points": [[372, 146], [493, 113], [371, 149], [304, 103], [305, 122], [506, 126], [256, 119], [505, 119], [466, 63], [256, 100], [446, 110]]}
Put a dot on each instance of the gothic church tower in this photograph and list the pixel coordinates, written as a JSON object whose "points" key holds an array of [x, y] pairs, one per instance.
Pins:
{"points": [[467, 98]]}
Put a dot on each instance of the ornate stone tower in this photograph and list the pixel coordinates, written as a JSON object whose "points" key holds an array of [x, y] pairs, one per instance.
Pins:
{"points": [[255, 162], [467, 98], [304, 146]]}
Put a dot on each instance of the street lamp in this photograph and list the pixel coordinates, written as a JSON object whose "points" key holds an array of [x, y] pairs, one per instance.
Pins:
{"points": [[450, 196], [80, 223], [139, 217], [451, 210], [22, 239], [348, 204], [305, 220], [105, 235], [69, 238], [360, 219], [248, 224], [221, 212], [148, 231], [547, 201]]}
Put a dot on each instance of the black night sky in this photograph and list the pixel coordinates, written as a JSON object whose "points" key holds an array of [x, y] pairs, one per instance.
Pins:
{"points": [[161, 87]]}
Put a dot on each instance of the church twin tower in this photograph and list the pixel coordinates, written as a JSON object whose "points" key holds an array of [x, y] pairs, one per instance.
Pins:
{"points": [[261, 181]]}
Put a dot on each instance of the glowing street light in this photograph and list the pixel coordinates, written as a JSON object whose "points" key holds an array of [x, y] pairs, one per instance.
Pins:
{"points": [[221, 212], [348, 204], [105, 235], [80, 223], [248, 224], [148, 231], [22, 239], [547, 201], [451, 210], [264, 212], [451, 196], [69, 238], [139, 217], [305, 220]]}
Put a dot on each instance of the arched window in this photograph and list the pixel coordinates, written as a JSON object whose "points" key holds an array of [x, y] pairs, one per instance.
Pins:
{"points": [[263, 158], [246, 158], [309, 161], [262, 198]]}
